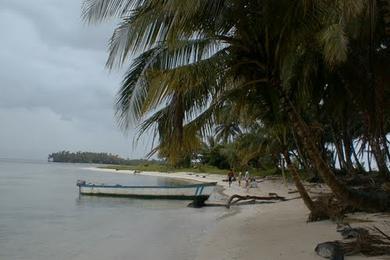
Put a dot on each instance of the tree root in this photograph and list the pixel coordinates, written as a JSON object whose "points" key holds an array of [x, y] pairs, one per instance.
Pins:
{"points": [[328, 207]]}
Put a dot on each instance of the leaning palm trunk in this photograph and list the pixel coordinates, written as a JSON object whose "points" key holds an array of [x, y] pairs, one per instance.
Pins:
{"points": [[380, 157], [369, 157], [348, 151], [355, 156], [386, 147], [339, 149], [298, 183], [340, 154], [369, 202], [303, 157]]}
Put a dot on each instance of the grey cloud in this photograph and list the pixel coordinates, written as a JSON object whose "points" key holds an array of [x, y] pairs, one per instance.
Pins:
{"points": [[53, 78], [59, 23]]}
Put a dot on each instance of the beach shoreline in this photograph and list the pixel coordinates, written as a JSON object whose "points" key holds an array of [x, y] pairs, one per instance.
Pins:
{"points": [[272, 231]]}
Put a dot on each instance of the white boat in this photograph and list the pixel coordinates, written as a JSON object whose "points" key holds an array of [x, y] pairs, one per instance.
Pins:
{"points": [[197, 192]]}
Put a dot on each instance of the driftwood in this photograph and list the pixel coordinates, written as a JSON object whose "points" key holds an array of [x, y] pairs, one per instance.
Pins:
{"points": [[236, 198], [328, 207]]}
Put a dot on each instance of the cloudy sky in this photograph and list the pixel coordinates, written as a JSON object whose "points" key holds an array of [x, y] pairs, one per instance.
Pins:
{"points": [[55, 93]]}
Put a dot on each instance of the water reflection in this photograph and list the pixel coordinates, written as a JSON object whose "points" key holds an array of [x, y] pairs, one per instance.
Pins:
{"points": [[86, 202]]}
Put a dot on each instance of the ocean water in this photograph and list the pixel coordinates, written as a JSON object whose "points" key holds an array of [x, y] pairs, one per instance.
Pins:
{"points": [[43, 217]]}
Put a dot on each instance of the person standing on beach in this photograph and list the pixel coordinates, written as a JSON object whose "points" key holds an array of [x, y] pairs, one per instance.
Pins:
{"points": [[247, 178], [230, 177], [239, 178]]}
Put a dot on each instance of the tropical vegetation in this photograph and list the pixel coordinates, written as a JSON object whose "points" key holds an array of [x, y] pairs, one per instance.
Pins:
{"points": [[97, 158], [303, 84]]}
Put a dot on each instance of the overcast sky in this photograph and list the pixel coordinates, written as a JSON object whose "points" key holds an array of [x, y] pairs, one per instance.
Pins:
{"points": [[55, 91]]}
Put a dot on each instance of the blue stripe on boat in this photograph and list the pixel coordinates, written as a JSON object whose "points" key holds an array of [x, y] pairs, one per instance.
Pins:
{"points": [[201, 189]]}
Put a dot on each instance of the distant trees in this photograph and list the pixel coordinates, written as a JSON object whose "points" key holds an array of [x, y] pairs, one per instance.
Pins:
{"points": [[90, 157], [212, 154]]}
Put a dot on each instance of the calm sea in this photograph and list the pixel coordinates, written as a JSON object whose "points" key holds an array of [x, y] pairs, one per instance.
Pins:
{"points": [[43, 217]]}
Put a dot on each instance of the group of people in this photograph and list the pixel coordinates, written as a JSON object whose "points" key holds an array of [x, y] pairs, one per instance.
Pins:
{"points": [[247, 178]]}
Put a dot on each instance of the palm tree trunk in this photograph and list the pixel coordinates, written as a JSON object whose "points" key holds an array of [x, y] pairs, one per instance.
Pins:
{"points": [[369, 157], [339, 149], [296, 155], [358, 200], [178, 116], [303, 157], [359, 165], [348, 152], [298, 183], [380, 158], [386, 146], [341, 154], [176, 131]]}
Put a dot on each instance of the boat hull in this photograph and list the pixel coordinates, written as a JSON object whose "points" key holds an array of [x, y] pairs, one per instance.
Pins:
{"points": [[185, 192]]}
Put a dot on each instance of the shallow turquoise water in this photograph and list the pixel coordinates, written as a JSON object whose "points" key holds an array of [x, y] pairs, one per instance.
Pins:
{"points": [[43, 217]]}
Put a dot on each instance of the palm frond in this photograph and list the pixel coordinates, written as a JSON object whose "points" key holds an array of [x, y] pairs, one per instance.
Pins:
{"points": [[155, 74], [99, 10], [335, 44]]}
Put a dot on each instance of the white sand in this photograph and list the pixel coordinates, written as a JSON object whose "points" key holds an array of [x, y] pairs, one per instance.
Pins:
{"points": [[269, 232], [276, 231]]}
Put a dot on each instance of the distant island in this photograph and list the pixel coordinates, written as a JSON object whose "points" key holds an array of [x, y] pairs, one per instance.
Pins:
{"points": [[113, 161], [97, 158]]}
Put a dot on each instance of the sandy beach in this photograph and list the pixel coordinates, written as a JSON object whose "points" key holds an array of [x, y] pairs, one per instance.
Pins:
{"points": [[272, 231]]}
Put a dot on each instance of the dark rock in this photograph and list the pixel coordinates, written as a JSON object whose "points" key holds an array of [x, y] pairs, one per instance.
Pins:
{"points": [[332, 250]]}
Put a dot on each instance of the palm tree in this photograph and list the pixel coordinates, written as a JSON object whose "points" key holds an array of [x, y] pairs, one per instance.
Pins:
{"points": [[195, 56]]}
